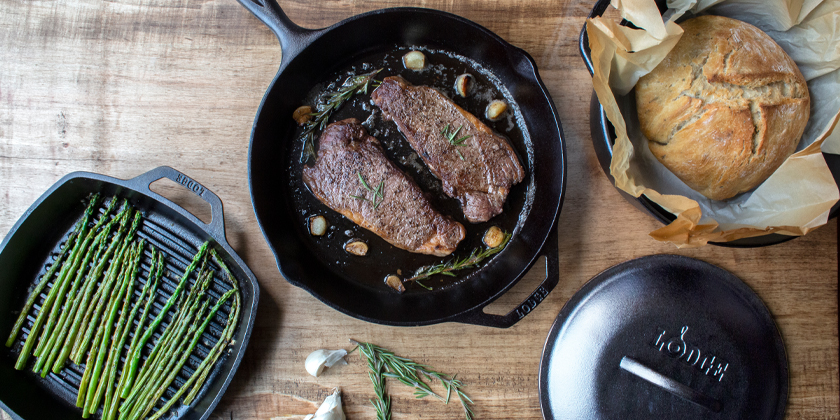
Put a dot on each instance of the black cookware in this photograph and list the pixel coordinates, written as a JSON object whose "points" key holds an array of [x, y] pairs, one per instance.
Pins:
{"points": [[664, 336], [281, 203], [37, 236], [603, 138]]}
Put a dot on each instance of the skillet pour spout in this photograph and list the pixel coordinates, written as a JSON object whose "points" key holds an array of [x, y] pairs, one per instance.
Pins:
{"points": [[314, 58]]}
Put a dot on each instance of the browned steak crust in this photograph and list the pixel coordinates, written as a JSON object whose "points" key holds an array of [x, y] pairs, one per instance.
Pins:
{"points": [[479, 173], [402, 216]]}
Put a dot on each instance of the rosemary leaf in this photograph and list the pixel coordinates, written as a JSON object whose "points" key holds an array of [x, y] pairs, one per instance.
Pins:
{"points": [[384, 364], [448, 268], [364, 183], [378, 194], [352, 86], [451, 137], [422, 285]]}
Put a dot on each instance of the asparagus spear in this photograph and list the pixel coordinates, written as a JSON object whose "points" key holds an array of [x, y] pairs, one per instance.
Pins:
{"points": [[159, 357], [135, 357], [45, 307], [117, 296], [119, 266], [98, 383], [134, 341], [41, 364], [39, 288], [200, 375], [84, 298], [161, 388], [118, 269], [89, 364], [112, 399], [114, 357], [140, 396], [86, 310], [52, 349], [80, 265]]}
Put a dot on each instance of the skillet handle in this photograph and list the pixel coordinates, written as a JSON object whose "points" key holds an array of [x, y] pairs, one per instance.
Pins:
{"points": [[293, 38], [216, 227], [552, 277], [598, 10]]}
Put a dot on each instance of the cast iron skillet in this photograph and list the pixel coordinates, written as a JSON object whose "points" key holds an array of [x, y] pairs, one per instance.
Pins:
{"points": [[603, 138], [37, 235], [313, 57]]}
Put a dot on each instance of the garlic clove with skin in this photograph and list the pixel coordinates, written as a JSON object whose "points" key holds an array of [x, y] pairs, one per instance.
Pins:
{"points": [[330, 409], [321, 359]]}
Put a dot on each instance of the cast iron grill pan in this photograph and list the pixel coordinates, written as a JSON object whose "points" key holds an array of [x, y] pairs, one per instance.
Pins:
{"points": [[38, 237]]}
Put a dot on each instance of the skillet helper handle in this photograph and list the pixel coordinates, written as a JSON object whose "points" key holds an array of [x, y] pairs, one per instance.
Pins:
{"points": [[216, 227], [293, 38], [597, 11], [551, 252]]}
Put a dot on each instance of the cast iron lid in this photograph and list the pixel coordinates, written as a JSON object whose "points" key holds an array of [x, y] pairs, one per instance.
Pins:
{"points": [[664, 336]]}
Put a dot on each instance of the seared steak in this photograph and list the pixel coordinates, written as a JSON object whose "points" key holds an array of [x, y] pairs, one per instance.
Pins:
{"points": [[477, 170], [346, 177]]}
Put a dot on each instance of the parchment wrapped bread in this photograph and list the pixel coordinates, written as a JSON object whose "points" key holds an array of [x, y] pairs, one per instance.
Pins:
{"points": [[725, 108]]}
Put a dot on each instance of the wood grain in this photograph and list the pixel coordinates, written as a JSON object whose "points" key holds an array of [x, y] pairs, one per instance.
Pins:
{"points": [[121, 87]]}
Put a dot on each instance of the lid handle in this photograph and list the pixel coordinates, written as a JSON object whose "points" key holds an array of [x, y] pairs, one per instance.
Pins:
{"points": [[670, 385]]}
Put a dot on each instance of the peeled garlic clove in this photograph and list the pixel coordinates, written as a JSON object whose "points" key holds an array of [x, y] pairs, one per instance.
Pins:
{"points": [[318, 225], [495, 110], [493, 237], [321, 359], [330, 409], [302, 115], [462, 84], [414, 60], [358, 248], [395, 283]]}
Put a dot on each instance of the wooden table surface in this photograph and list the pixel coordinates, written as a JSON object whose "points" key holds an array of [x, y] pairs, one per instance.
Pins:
{"points": [[121, 87]]}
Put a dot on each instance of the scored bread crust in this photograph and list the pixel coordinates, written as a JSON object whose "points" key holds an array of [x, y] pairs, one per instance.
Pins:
{"points": [[725, 108]]}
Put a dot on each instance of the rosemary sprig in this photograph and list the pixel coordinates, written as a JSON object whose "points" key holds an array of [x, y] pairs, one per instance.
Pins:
{"points": [[378, 194], [448, 268], [385, 364], [451, 137], [351, 86]]}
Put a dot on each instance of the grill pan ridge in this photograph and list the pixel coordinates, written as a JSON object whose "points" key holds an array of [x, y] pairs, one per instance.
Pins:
{"points": [[33, 244]]}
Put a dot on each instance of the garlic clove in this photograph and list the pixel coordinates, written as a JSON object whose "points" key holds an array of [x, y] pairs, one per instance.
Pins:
{"points": [[357, 248], [463, 84], [330, 409], [414, 60], [302, 114], [321, 359], [395, 283], [493, 237], [495, 110], [318, 225]]}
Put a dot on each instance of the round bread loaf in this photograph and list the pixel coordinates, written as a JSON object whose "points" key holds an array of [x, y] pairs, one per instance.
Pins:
{"points": [[725, 108]]}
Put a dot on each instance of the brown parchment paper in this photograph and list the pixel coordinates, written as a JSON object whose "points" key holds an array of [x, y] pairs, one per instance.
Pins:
{"points": [[797, 198]]}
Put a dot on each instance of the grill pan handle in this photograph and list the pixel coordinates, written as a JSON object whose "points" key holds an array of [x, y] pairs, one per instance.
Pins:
{"points": [[597, 11], [216, 227], [551, 252], [293, 38]]}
